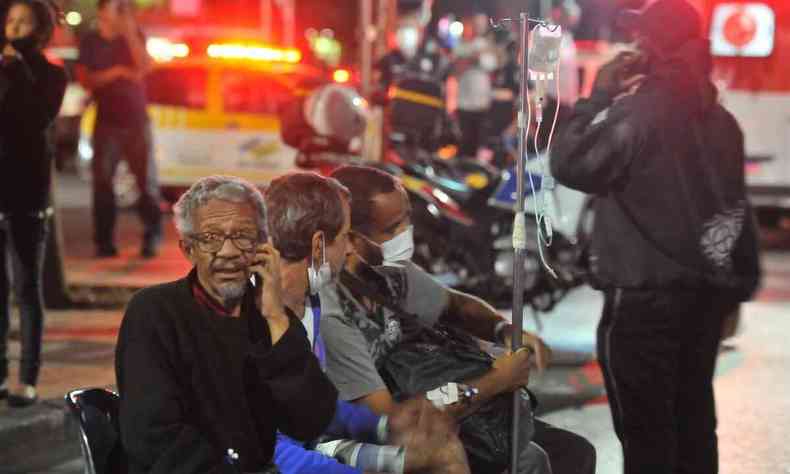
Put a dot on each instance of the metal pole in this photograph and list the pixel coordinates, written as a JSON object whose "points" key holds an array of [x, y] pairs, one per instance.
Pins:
{"points": [[519, 235], [366, 49]]}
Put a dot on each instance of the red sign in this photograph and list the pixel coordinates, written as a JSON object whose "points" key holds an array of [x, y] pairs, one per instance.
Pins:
{"points": [[740, 28]]}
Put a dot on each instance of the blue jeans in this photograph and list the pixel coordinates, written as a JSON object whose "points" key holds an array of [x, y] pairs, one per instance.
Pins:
{"points": [[135, 144], [23, 240]]}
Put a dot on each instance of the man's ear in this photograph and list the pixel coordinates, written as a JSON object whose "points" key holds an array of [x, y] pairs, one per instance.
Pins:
{"points": [[187, 250], [316, 243]]}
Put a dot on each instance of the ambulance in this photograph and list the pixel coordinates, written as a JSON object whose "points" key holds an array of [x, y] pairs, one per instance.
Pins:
{"points": [[750, 42], [213, 106]]}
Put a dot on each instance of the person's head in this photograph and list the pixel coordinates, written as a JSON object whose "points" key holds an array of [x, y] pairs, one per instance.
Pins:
{"points": [[380, 214], [662, 27], [476, 24], [566, 13], [32, 20], [413, 16], [110, 12], [309, 221], [221, 220]]}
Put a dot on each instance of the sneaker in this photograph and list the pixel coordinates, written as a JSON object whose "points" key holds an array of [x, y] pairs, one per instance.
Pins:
{"points": [[28, 397], [150, 247], [106, 251]]}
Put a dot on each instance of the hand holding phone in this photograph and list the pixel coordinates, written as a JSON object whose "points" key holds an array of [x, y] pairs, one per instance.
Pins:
{"points": [[621, 74], [266, 265]]}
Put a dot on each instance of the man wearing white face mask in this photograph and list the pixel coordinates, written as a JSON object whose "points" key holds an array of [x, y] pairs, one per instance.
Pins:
{"points": [[359, 333], [308, 217]]}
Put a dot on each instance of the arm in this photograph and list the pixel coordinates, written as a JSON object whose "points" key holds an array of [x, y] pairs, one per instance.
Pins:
{"points": [[154, 424], [601, 139], [47, 97], [292, 458], [94, 80], [357, 422], [135, 40], [304, 399]]}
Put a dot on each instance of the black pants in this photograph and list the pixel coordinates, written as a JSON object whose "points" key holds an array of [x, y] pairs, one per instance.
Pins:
{"points": [[658, 353], [134, 144], [23, 239], [473, 131], [568, 452]]}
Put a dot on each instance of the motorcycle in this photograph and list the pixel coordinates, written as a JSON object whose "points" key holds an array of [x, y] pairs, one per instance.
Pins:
{"points": [[462, 211]]}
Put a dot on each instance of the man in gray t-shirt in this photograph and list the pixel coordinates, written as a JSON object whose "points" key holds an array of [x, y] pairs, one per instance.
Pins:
{"points": [[357, 332], [356, 341]]}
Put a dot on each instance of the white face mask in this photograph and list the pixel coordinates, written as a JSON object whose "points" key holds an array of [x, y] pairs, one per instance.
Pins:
{"points": [[488, 62], [321, 277], [408, 40], [399, 248]]}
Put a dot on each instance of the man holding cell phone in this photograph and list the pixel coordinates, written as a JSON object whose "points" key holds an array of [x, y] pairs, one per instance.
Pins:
{"points": [[212, 362]]}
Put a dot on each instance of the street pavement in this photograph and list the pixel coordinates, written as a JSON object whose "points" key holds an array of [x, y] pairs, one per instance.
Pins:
{"points": [[751, 381]]}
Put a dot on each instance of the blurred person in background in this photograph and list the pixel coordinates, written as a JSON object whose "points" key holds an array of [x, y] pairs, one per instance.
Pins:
{"points": [[674, 244], [31, 91], [566, 13], [475, 61], [113, 63]]}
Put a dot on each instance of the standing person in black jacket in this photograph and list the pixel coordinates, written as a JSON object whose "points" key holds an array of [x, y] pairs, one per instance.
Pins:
{"points": [[31, 90], [213, 362], [674, 246]]}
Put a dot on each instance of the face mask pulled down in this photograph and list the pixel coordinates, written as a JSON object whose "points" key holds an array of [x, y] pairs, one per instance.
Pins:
{"points": [[321, 277]]}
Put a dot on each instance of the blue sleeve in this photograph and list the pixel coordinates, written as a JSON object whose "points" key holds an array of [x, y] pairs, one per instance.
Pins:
{"points": [[354, 421], [292, 458]]}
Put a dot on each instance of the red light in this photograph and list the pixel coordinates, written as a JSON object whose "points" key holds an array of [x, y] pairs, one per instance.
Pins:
{"points": [[341, 76], [254, 52]]}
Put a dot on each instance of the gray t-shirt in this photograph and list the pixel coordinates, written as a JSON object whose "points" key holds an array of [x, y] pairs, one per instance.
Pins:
{"points": [[357, 338]]}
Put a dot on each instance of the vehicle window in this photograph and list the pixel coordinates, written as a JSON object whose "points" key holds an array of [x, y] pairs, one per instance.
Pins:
{"points": [[252, 92], [180, 87]]}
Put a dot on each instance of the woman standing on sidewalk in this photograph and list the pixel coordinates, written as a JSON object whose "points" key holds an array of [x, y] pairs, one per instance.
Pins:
{"points": [[31, 91]]}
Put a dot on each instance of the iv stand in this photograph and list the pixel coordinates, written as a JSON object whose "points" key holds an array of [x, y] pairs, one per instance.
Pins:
{"points": [[519, 225]]}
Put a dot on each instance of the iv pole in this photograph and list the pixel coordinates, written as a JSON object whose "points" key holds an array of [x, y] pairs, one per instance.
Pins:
{"points": [[519, 224]]}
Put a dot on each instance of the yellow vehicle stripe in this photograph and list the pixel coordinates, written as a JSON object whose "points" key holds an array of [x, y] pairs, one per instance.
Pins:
{"points": [[180, 118], [411, 96]]}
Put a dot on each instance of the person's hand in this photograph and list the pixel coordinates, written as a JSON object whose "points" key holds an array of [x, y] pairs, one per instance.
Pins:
{"points": [[428, 435], [620, 74], [513, 368], [534, 343], [270, 300], [122, 72], [9, 50]]}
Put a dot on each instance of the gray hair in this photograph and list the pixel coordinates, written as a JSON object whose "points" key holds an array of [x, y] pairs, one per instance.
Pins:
{"points": [[224, 188]]}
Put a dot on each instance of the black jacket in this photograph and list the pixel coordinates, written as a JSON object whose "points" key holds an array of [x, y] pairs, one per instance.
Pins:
{"points": [[667, 167], [191, 388], [34, 90]]}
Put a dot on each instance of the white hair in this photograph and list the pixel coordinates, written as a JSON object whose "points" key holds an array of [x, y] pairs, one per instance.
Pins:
{"points": [[224, 188]]}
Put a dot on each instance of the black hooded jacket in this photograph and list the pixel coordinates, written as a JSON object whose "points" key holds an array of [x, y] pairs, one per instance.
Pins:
{"points": [[666, 165], [31, 91]]}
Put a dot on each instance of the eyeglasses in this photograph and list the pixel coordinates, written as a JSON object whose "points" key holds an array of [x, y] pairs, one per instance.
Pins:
{"points": [[210, 242]]}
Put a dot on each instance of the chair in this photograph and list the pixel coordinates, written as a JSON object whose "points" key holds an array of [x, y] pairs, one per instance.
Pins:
{"points": [[96, 409]]}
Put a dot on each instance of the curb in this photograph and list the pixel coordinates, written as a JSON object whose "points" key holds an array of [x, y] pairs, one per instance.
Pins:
{"points": [[37, 437]]}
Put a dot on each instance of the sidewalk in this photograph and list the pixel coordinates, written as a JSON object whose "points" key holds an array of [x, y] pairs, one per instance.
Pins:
{"points": [[79, 349]]}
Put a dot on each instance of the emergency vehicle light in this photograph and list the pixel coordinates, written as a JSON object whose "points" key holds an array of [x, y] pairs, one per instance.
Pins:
{"points": [[341, 76], [162, 50], [253, 52]]}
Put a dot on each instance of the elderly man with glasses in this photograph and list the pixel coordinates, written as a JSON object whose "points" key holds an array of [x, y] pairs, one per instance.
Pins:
{"points": [[214, 361]]}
